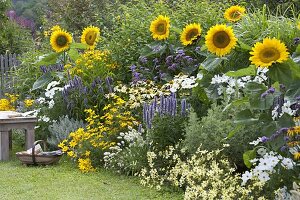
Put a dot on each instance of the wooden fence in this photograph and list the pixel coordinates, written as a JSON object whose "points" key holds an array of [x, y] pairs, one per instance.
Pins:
{"points": [[8, 63]]}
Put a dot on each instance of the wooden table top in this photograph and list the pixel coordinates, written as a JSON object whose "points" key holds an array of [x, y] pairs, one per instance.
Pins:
{"points": [[15, 117]]}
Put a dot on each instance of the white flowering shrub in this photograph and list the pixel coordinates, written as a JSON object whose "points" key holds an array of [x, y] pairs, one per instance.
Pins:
{"points": [[202, 176]]}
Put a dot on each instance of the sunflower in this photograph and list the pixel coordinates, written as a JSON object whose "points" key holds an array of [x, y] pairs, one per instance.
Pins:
{"points": [[220, 39], [55, 28], [160, 27], [60, 40], [268, 52], [90, 36], [234, 13], [190, 33]]}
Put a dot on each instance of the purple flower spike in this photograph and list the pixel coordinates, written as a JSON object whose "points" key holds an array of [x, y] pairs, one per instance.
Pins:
{"points": [[264, 139]]}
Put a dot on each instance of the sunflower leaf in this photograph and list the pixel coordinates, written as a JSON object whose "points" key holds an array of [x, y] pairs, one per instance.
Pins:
{"points": [[42, 81], [78, 46], [284, 72], [47, 59], [73, 53], [249, 71], [212, 62], [244, 46]]}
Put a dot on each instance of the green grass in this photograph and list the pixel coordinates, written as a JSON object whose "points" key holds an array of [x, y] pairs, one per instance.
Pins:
{"points": [[64, 181]]}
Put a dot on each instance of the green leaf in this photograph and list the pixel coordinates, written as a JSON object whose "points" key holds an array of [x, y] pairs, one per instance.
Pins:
{"points": [[247, 156], [245, 117], [244, 46], [293, 91], [212, 62], [73, 53], [284, 72], [286, 121], [42, 81], [78, 46], [249, 71], [237, 103], [257, 102], [234, 131], [47, 59], [254, 87]]}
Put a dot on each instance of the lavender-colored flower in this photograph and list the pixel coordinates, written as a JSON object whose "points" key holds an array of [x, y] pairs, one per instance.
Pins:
{"points": [[263, 95], [271, 90], [283, 148], [173, 67], [109, 81], [296, 41], [169, 60], [132, 68], [197, 48], [282, 87], [298, 98], [155, 61], [183, 107], [143, 59], [264, 139]]}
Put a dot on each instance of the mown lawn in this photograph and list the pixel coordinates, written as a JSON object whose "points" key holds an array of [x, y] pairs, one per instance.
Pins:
{"points": [[63, 181]]}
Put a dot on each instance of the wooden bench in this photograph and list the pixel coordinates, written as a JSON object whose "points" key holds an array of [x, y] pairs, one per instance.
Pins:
{"points": [[8, 121]]}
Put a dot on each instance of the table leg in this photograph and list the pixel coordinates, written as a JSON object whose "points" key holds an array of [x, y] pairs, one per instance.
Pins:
{"points": [[10, 139], [4, 151], [29, 137]]}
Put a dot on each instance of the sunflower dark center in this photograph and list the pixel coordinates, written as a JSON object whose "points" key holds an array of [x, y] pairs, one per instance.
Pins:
{"points": [[161, 28], [269, 54], [192, 34], [61, 41], [221, 39], [90, 37]]}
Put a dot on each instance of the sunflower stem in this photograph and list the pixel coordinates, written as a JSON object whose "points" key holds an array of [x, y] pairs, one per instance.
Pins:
{"points": [[64, 58]]}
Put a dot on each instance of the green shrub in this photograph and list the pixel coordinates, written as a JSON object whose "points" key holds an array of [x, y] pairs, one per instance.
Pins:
{"points": [[61, 129], [166, 131], [213, 130]]}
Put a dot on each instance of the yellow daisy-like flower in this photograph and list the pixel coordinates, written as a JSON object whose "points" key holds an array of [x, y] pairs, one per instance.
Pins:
{"points": [[234, 13], [60, 40], [90, 36], [220, 39], [297, 156], [268, 52], [160, 27], [190, 33], [28, 102]]}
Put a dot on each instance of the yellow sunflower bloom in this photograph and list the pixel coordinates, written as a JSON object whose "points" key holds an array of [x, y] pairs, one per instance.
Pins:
{"points": [[56, 28], [60, 40], [190, 33], [90, 36], [234, 13], [160, 27], [220, 39], [268, 52]]}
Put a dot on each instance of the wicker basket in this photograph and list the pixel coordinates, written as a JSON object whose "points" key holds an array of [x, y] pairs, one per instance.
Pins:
{"points": [[42, 158]]}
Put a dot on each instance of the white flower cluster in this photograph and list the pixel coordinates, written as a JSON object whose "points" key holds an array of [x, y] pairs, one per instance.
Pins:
{"points": [[266, 165], [283, 194], [140, 92], [182, 81], [228, 85], [127, 139], [286, 108]]}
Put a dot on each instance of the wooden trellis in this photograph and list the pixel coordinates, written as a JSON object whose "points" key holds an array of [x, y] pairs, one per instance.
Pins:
{"points": [[8, 63]]}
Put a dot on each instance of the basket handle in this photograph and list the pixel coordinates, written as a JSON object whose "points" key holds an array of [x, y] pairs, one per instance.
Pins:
{"points": [[33, 149]]}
